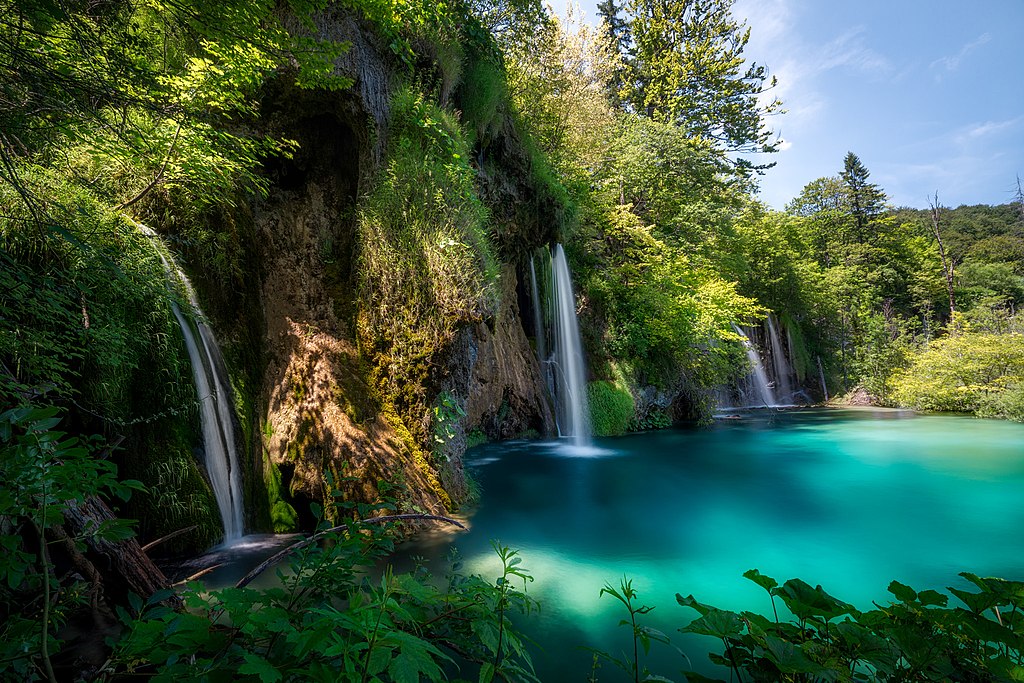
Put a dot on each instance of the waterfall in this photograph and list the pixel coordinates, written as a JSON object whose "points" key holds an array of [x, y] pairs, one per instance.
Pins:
{"points": [[821, 375], [570, 376], [780, 365], [759, 378], [211, 382]]}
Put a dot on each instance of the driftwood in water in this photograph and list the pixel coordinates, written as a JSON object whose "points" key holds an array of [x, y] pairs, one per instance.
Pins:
{"points": [[125, 568]]}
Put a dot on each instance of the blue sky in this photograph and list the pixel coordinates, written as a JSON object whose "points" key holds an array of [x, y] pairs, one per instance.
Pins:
{"points": [[928, 93]]}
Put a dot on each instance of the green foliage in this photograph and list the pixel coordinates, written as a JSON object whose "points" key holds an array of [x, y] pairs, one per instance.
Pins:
{"points": [[43, 471], [131, 96], [425, 260], [328, 620], [685, 66], [915, 638], [967, 372], [611, 408], [642, 635], [654, 419], [86, 312], [446, 414]]}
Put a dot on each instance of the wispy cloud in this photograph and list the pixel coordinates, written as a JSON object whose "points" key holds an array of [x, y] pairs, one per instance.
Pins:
{"points": [[848, 50], [977, 132], [952, 63]]}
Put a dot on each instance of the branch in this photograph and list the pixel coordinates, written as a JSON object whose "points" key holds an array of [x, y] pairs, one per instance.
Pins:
{"points": [[277, 557], [159, 175], [173, 534]]}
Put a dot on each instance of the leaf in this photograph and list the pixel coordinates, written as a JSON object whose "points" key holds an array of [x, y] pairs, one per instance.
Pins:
{"points": [[254, 664], [902, 592], [416, 659], [690, 601], [765, 582], [716, 623], [930, 597], [976, 602], [805, 602]]}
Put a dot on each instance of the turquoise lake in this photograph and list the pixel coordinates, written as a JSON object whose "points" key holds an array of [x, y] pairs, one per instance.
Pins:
{"points": [[849, 499]]}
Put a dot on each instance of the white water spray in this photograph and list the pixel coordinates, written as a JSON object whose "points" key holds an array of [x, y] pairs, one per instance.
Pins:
{"points": [[780, 365], [215, 401], [760, 384], [570, 375]]}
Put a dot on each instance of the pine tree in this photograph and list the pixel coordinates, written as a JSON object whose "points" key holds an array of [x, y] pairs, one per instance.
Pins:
{"points": [[691, 72], [866, 200], [617, 31]]}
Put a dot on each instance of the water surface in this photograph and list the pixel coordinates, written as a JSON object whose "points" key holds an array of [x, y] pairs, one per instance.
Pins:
{"points": [[848, 499]]}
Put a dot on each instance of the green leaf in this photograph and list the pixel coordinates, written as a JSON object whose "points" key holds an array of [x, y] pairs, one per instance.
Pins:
{"points": [[930, 597], [765, 582], [254, 664], [716, 623], [902, 592]]}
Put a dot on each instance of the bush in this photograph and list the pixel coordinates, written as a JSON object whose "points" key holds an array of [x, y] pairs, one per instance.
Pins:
{"points": [[965, 373], [611, 408]]}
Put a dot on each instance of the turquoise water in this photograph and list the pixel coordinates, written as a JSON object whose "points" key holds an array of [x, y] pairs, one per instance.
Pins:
{"points": [[848, 499]]}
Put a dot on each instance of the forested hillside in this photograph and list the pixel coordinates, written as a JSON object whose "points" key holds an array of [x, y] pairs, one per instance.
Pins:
{"points": [[355, 194]]}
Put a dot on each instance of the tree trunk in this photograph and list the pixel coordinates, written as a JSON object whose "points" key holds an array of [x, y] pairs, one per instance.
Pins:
{"points": [[947, 266], [122, 564]]}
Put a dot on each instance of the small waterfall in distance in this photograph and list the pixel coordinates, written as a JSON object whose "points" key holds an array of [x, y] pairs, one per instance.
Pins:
{"points": [[215, 400], [567, 358], [780, 364], [760, 387]]}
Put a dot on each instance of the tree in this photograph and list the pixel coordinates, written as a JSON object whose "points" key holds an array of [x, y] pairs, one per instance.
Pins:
{"points": [[617, 31], [866, 201], [690, 72], [947, 264]]}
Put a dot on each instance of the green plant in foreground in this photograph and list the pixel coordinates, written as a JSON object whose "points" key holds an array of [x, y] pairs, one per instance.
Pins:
{"points": [[329, 620], [642, 635], [42, 472], [916, 638]]}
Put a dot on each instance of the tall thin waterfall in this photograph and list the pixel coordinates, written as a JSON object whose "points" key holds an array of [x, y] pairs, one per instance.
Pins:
{"points": [[215, 400], [783, 371], [761, 388], [821, 375], [570, 375]]}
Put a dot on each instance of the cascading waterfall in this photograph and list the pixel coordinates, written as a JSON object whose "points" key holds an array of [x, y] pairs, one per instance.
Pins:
{"points": [[567, 358], [821, 376], [215, 400], [761, 387], [780, 364]]}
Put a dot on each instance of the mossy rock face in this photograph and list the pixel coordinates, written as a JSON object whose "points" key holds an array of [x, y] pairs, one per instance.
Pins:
{"points": [[611, 408], [177, 495]]}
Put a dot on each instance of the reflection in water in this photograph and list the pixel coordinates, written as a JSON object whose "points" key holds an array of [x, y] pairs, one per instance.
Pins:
{"points": [[234, 560]]}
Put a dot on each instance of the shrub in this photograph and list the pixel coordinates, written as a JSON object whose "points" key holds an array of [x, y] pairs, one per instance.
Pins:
{"points": [[611, 408], [963, 373]]}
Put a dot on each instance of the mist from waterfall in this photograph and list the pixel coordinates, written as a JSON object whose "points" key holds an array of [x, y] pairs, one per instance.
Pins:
{"points": [[216, 413], [757, 392], [780, 363]]}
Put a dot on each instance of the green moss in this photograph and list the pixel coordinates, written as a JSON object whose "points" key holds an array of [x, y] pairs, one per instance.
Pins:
{"points": [[611, 408], [483, 97], [283, 517], [475, 438], [177, 494]]}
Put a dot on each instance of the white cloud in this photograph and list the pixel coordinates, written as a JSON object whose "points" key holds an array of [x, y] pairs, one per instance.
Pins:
{"points": [[848, 50], [952, 63], [784, 145], [989, 127]]}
